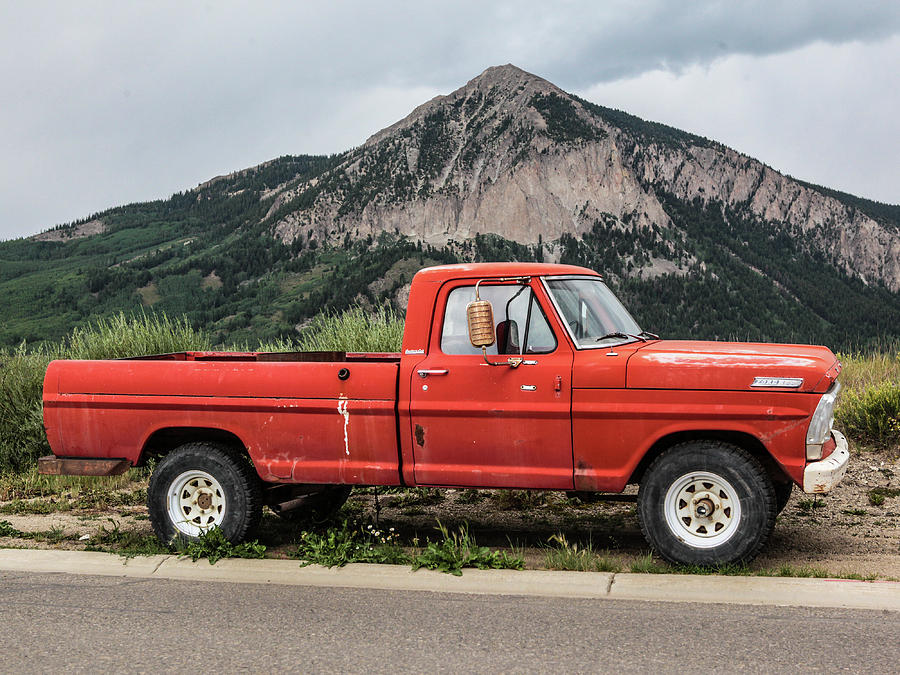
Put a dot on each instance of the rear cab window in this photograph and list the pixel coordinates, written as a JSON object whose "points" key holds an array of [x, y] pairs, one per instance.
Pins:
{"points": [[519, 321]]}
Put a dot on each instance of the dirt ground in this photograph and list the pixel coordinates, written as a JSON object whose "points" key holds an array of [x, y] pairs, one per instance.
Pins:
{"points": [[842, 534]]}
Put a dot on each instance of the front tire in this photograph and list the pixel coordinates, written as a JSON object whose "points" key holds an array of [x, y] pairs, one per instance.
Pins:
{"points": [[706, 503], [201, 486], [782, 495]]}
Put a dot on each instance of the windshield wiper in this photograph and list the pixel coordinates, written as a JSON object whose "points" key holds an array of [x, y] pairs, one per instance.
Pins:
{"points": [[652, 336], [619, 334]]}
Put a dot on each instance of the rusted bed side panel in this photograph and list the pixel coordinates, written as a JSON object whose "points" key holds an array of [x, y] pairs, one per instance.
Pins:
{"points": [[336, 437]]}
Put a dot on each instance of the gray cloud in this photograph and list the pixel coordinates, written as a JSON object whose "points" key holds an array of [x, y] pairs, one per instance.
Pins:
{"points": [[110, 102]]}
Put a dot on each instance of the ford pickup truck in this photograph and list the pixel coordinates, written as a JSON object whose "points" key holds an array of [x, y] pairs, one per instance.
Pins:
{"points": [[510, 375]]}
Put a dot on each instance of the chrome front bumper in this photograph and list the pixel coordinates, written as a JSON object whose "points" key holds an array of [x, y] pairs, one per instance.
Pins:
{"points": [[821, 477]]}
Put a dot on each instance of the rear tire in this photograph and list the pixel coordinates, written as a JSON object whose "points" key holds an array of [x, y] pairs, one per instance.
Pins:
{"points": [[201, 486], [706, 503]]}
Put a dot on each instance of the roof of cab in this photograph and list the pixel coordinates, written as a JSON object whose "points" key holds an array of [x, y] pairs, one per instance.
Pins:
{"points": [[498, 269]]}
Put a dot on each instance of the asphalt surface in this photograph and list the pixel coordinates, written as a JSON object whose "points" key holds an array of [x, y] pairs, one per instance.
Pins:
{"points": [[72, 623]]}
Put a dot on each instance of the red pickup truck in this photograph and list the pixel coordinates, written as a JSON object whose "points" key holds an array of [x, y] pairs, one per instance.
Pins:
{"points": [[511, 375]]}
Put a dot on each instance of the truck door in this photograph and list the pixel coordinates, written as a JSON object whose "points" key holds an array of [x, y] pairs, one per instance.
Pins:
{"points": [[479, 425]]}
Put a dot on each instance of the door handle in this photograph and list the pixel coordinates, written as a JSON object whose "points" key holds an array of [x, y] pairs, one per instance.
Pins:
{"points": [[433, 371]]}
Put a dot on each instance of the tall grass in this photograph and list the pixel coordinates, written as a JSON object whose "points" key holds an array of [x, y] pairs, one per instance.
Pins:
{"points": [[22, 437], [869, 407], [355, 330], [136, 335]]}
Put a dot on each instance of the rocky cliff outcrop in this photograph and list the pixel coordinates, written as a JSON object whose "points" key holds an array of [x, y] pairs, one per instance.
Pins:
{"points": [[513, 155]]}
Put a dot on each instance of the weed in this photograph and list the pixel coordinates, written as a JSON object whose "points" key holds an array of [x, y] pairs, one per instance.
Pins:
{"points": [[727, 569], [646, 564], [858, 577], [519, 500], [54, 535], [566, 556], [418, 496], [127, 543], [19, 506], [854, 512], [807, 505], [470, 496], [7, 530], [349, 543], [213, 545], [458, 550], [29, 483], [879, 494], [805, 572]]}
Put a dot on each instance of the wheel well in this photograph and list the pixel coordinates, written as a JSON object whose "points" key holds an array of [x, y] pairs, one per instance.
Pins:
{"points": [[749, 443], [163, 441]]}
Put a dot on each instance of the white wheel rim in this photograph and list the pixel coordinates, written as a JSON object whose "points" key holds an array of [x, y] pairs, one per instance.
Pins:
{"points": [[702, 509], [196, 503]]}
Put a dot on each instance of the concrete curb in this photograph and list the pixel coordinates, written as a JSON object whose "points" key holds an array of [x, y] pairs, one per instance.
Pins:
{"points": [[779, 591]]}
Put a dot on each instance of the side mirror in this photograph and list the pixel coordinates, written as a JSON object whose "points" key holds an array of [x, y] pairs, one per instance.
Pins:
{"points": [[480, 318]]}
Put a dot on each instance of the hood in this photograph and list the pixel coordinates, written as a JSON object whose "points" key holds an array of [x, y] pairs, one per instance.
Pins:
{"points": [[730, 366]]}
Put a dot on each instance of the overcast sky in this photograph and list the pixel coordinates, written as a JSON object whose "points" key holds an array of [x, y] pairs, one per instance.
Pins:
{"points": [[105, 103]]}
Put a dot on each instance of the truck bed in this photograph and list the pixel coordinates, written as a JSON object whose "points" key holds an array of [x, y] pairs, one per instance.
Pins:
{"points": [[312, 417]]}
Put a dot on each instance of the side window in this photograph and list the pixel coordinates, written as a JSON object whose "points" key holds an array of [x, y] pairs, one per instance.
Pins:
{"points": [[519, 321]]}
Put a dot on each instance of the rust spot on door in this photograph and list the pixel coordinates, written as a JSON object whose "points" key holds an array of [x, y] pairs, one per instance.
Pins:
{"points": [[420, 436]]}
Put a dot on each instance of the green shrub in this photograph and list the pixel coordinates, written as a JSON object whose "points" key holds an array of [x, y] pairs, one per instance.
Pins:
{"points": [[871, 414]]}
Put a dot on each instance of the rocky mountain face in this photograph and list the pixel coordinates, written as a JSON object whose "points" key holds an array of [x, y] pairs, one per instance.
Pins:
{"points": [[698, 240], [513, 155]]}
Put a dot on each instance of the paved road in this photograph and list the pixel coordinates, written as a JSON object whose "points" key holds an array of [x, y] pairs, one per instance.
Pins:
{"points": [[61, 622]]}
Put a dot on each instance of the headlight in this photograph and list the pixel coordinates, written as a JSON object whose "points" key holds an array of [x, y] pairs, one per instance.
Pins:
{"points": [[821, 423]]}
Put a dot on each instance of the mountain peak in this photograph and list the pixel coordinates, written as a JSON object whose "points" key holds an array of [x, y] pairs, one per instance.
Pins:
{"points": [[506, 87], [510, 76]]}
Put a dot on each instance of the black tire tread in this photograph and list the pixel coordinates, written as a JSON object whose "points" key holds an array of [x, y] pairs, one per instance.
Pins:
{"points": [[248, 479], [740, 460], [782, 495]]}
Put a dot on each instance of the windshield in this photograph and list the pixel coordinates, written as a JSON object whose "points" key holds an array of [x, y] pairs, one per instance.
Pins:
{"points": [[594, 315]]}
